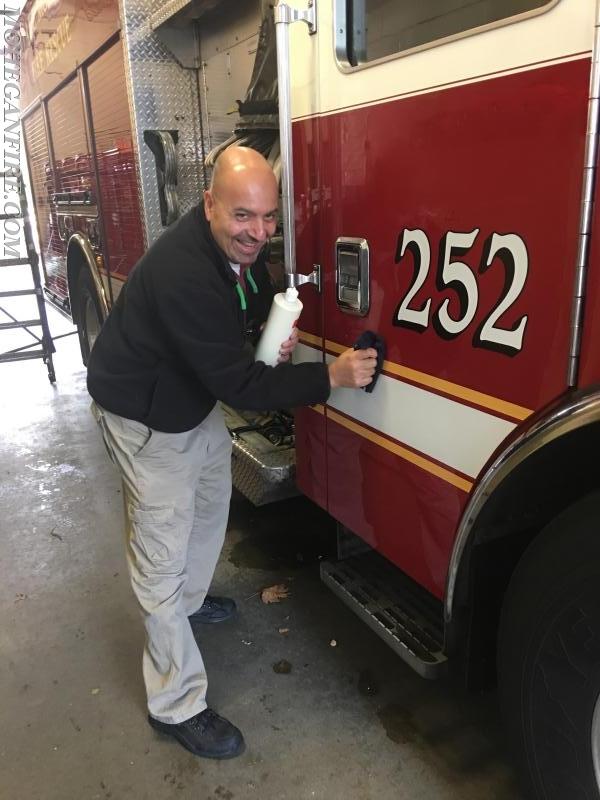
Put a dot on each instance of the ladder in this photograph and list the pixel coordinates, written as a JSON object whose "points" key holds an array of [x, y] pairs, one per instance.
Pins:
{"points": [[43, 346]]}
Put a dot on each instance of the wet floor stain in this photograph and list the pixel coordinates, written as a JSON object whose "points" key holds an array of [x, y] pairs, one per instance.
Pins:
{"points": [[281, 548], [251, 554], [223, 794], [368, 685], [282, 667], [283, 536], [398, 724], [452, 743]]}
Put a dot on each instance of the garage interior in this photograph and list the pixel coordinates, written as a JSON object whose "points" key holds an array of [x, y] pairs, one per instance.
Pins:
{"points": [[348, 720]]}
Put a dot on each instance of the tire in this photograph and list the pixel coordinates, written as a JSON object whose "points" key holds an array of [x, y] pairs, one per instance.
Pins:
{"points": [[549, 657], [89, 314]]}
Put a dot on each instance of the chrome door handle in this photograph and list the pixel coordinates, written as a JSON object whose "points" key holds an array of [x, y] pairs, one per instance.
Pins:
{"points": [[352, 275]]}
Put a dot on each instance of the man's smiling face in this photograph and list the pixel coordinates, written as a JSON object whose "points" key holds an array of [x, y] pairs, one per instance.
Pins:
{"points": [[241, 208]]}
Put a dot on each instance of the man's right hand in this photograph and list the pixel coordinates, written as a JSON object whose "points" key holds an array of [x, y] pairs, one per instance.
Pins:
{"points": [[353, 368]]}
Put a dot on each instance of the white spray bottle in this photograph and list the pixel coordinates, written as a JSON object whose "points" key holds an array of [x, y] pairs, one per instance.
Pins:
{"points": [[285, 310]]}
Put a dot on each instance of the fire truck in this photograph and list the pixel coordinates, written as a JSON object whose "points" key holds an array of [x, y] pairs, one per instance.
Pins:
{"points": [[438, 163]]}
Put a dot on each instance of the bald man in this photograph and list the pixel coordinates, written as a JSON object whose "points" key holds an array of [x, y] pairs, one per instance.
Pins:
{"points": [[175, 343]]}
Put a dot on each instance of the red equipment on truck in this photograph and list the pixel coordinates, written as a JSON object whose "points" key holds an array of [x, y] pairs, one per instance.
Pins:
{"points": [[438, 162]]}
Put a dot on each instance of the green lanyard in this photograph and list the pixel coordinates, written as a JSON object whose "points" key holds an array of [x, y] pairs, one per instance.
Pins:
{"points": [[242, 296], [240, 291]]}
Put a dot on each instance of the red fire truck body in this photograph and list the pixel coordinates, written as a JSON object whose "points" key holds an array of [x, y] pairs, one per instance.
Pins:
{"points": [[442, 169], [406, 448], [79, 142]]}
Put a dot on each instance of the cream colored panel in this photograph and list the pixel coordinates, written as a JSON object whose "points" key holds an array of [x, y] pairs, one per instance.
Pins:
{"points": [[564, 31], [449, 431], [303, 353]]}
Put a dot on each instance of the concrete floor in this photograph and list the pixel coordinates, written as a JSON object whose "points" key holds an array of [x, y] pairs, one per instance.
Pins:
{"points": [[349, 722]]}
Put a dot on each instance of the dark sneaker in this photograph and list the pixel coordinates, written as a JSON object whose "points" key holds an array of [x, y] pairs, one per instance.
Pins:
{"points": [[207, 735], [214, 609]]}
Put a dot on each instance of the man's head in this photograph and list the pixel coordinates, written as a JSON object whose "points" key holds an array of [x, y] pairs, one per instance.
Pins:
{"points": [[241, 204]]}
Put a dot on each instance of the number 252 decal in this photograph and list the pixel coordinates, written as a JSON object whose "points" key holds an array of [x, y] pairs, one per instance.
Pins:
{"points": [[510, 253]]}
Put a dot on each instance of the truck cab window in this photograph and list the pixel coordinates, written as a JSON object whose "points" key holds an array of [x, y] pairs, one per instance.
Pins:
{"points": [[368, 30]]}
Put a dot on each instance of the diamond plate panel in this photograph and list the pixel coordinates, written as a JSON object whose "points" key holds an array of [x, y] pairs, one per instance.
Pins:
{"points": [[164, 96], [263, 478], [166, 11], [261, 471]]}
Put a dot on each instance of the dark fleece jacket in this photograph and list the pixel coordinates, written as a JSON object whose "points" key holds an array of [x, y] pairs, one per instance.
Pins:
{"points": [[175, 341]]}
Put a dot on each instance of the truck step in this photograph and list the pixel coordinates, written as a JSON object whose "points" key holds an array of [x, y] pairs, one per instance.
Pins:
{"points": [[403, 614]]}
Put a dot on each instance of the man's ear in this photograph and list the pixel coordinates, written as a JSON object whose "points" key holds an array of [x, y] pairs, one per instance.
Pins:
{"points": [[209, 204]]}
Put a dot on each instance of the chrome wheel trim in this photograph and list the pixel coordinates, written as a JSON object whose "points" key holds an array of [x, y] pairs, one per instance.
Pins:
{"points": [[92, 324], [596, 742]]}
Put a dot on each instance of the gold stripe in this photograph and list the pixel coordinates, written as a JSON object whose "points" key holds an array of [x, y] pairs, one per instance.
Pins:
{"points": [[335, 348], [310, 338], [402, 452], [318, 408], [454, 389]]}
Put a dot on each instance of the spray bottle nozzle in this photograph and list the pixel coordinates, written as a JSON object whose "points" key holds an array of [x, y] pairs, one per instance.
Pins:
{"points": [[291, 294]]}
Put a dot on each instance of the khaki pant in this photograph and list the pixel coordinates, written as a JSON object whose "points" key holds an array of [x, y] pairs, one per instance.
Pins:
{"points": [[177, 491]]}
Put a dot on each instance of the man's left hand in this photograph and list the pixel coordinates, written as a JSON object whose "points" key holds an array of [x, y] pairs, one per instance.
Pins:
{"points": [[287, 348]]}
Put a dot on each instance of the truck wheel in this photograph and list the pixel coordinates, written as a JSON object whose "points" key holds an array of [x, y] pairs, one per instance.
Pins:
{"points": [[549, 657], [89, 315]]}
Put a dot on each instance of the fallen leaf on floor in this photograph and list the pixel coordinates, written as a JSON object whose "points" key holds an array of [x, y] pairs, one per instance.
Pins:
{"points": [[273, 594], [95, 691], [283, 631]]}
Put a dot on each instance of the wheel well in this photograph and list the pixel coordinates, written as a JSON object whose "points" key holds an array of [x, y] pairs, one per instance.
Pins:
{"points": [[536, 491]]}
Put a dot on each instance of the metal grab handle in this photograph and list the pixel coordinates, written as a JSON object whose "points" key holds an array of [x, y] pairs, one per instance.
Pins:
{"points": [[294, 279], [285, 16]]}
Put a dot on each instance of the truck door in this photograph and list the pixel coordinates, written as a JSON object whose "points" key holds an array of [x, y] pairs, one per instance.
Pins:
{"points": [[438, 181]]}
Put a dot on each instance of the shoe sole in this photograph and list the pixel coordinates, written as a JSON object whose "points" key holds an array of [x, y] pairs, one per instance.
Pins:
{"points": [[204, 621], [163, 728]]}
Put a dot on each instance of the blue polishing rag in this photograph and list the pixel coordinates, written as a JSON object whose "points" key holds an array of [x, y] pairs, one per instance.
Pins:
{"points": [[370, 339]]}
